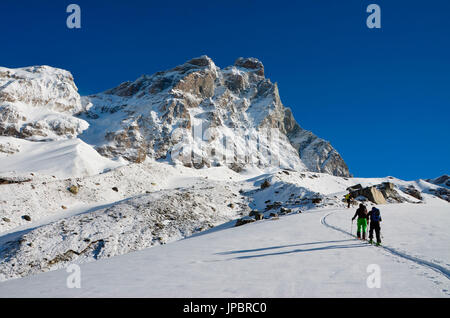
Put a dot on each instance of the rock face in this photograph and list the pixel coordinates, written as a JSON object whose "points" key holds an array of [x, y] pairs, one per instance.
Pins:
{"points": [[197, 114], [317, 154], [38, 103], [442, 193], [443, 181]]}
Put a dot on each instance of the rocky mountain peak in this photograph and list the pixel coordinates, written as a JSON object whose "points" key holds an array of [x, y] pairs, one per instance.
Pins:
{"points": [[251, 63], [189, 113], [202, 61]]}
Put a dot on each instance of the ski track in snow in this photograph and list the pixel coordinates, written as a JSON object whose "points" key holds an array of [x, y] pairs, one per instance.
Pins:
{"points": [[435, 267]]}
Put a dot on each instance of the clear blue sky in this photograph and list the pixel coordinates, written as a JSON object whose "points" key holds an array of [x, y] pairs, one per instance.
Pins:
{"points": [[381, 96]]}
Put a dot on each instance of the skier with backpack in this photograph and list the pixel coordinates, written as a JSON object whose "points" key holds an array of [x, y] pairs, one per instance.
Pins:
{"points": [[375, 219], [361, 213]]}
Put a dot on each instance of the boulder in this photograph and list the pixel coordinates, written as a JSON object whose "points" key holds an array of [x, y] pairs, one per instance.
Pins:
{"points": [[259, 216], [284, 210], [373, 194], [274, 205], [355, 190], [244, 220], [73, 189], [265, 184], [412, 191], [388, 185], [389, 192]]}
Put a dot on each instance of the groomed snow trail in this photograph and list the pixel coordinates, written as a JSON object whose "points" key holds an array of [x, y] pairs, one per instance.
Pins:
{"points": [[437, 268], [294, 256]]}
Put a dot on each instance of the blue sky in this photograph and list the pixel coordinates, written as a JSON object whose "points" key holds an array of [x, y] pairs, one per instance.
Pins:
{"points": [[380, 96]]}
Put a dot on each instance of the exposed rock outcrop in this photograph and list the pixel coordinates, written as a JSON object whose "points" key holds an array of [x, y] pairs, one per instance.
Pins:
{"points": [[443, 180]]}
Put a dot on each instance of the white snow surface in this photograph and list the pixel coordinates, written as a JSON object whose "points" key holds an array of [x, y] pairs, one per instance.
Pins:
{"points": [[168, 231], [298, 255], [62, 159]]}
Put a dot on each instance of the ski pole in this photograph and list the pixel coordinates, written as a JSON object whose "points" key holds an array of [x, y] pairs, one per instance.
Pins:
{"points": [[367, 230], [351, 229]]}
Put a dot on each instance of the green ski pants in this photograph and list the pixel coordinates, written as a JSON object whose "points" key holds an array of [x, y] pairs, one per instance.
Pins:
{"points": [[361, 227]]}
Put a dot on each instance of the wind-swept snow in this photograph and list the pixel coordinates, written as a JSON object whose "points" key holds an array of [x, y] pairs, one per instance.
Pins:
{"points": [[62, 158]]}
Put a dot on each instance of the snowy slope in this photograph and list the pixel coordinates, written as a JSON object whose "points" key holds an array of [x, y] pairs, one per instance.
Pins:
{"points": [[47, 199], [134, 191], [62, 158], [295, 256], [411, 229]]}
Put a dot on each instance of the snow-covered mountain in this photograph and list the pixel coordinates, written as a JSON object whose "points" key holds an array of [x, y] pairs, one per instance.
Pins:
{"points": [[38, 103], [86, 179], [200, 115], [195, 114]]}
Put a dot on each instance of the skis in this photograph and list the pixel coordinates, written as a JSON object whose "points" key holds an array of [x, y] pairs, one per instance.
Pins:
{"points": [[368, 241], [374, 243]]}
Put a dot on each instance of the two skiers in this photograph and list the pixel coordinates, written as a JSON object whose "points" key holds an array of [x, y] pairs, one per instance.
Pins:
{"points": [[364, 217]]}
